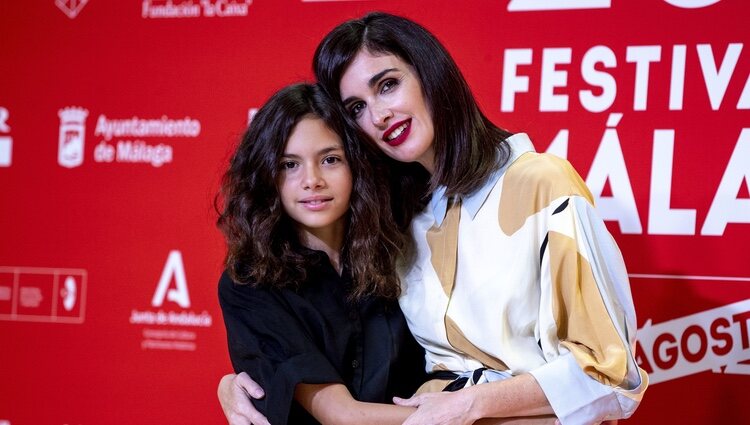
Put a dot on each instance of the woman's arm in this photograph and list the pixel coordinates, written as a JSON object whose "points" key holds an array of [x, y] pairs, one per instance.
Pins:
{"points": [[332, 404], [517, 396], [520, 396], [234, 392]]}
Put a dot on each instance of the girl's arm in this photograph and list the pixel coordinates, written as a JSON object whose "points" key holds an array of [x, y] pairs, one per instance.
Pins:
{"points": [[332, 404]]}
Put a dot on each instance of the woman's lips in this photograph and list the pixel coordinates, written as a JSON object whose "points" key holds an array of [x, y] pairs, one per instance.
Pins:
{"points": [[401, 130]]}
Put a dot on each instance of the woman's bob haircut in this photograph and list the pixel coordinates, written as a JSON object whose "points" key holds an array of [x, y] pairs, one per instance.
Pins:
{"points": [[468, 147]]}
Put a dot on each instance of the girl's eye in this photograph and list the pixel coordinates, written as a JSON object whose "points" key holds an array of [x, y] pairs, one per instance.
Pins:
{"points": [[331, 160], [288, 165]]}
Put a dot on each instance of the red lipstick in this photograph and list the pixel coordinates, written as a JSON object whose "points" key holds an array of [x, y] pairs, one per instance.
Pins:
{"points": [[403, 126]]}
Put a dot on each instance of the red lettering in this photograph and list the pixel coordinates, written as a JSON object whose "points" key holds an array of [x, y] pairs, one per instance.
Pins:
{"points": [[694, 342], [641, 359], [721, 336], [670, 352], [698, 355], [742, 319]]}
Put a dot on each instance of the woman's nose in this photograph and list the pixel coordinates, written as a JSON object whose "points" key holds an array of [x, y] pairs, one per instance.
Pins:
{"points": [[380, 114]]}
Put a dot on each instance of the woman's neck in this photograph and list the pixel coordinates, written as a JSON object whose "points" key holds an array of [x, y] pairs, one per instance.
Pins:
{"points": [[428, 161], [328, 240]]}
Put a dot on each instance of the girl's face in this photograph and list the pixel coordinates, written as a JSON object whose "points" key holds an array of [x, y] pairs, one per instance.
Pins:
{"points": [[315, 181], [384, 95]]}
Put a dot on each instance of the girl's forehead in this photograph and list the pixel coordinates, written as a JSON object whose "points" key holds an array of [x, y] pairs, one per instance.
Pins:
{"points": [[313, 132]]}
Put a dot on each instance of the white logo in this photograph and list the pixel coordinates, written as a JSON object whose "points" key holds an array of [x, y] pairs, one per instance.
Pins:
{"points": [[129, 147], [165, 338], [55, 295], [172, 9], [6, 142], [72, 136], [529, 5], [71, 7], [69, 293], [691, 4], [178, 294]]}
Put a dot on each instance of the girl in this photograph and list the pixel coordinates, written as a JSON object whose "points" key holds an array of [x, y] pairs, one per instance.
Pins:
{"points": [[309, 291]]}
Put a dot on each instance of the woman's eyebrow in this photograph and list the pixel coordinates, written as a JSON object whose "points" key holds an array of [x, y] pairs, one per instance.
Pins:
{"points": [[371, 82], [374, 79]]}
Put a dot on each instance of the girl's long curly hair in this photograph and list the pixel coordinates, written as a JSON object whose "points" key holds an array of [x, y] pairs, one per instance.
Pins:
{"points": [[263, 247]]}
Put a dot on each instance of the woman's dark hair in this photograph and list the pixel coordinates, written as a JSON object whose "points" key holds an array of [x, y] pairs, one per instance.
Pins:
{"points": [[468, 147], [263, 245]]}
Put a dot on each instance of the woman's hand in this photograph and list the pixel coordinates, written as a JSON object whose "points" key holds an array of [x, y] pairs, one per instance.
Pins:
{"points": [[234, 394], [443, 408]]}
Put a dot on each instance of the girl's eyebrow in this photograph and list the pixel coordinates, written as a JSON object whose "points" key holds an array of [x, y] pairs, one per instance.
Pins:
{"points": [[330, 149], [320, 152], [372, 81]]}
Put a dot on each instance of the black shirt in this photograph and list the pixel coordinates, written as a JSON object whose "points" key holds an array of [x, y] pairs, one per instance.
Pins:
{"points": [[282, 337]]}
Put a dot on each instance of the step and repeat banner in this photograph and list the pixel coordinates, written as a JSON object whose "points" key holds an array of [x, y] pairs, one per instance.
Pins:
{"points": [[117, 120]]}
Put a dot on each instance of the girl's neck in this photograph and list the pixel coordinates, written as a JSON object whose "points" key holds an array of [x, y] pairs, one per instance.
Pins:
{"points": [[328, 240]]}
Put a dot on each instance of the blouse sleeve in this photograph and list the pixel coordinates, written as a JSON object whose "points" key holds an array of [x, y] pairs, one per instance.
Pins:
{"points": [[587, 319], [267, 342]]}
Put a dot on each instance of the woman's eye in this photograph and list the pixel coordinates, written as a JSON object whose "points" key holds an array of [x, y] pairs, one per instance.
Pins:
{"points": [[356, 109], [388, 85]]}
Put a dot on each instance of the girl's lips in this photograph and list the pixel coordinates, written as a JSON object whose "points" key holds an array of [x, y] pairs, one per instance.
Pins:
{"points": [[401, 137], [316, 203]]}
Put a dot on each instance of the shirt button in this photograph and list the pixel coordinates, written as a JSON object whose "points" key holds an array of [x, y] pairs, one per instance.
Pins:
{"points": [[355, 364]]}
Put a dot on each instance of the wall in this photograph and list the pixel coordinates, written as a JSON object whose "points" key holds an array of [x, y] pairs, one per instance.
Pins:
{"points": [[117, 119]]}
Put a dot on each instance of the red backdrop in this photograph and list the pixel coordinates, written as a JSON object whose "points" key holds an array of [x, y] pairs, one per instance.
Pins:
{"points": [[117, 119]]}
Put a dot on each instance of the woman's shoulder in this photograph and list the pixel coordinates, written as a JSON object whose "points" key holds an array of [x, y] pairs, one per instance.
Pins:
{"points": [[535, 182], [545, 176]]}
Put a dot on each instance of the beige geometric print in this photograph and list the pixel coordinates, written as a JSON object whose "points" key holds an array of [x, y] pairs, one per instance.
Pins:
{"points": [[443, 243]]}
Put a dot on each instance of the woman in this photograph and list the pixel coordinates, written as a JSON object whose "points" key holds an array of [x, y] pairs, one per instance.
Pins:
{"points": [[310, 285], [515, 282]]}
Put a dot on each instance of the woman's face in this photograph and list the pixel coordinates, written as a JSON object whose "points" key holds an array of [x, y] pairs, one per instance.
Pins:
{"points": [[315, 181], [384, 95]]}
